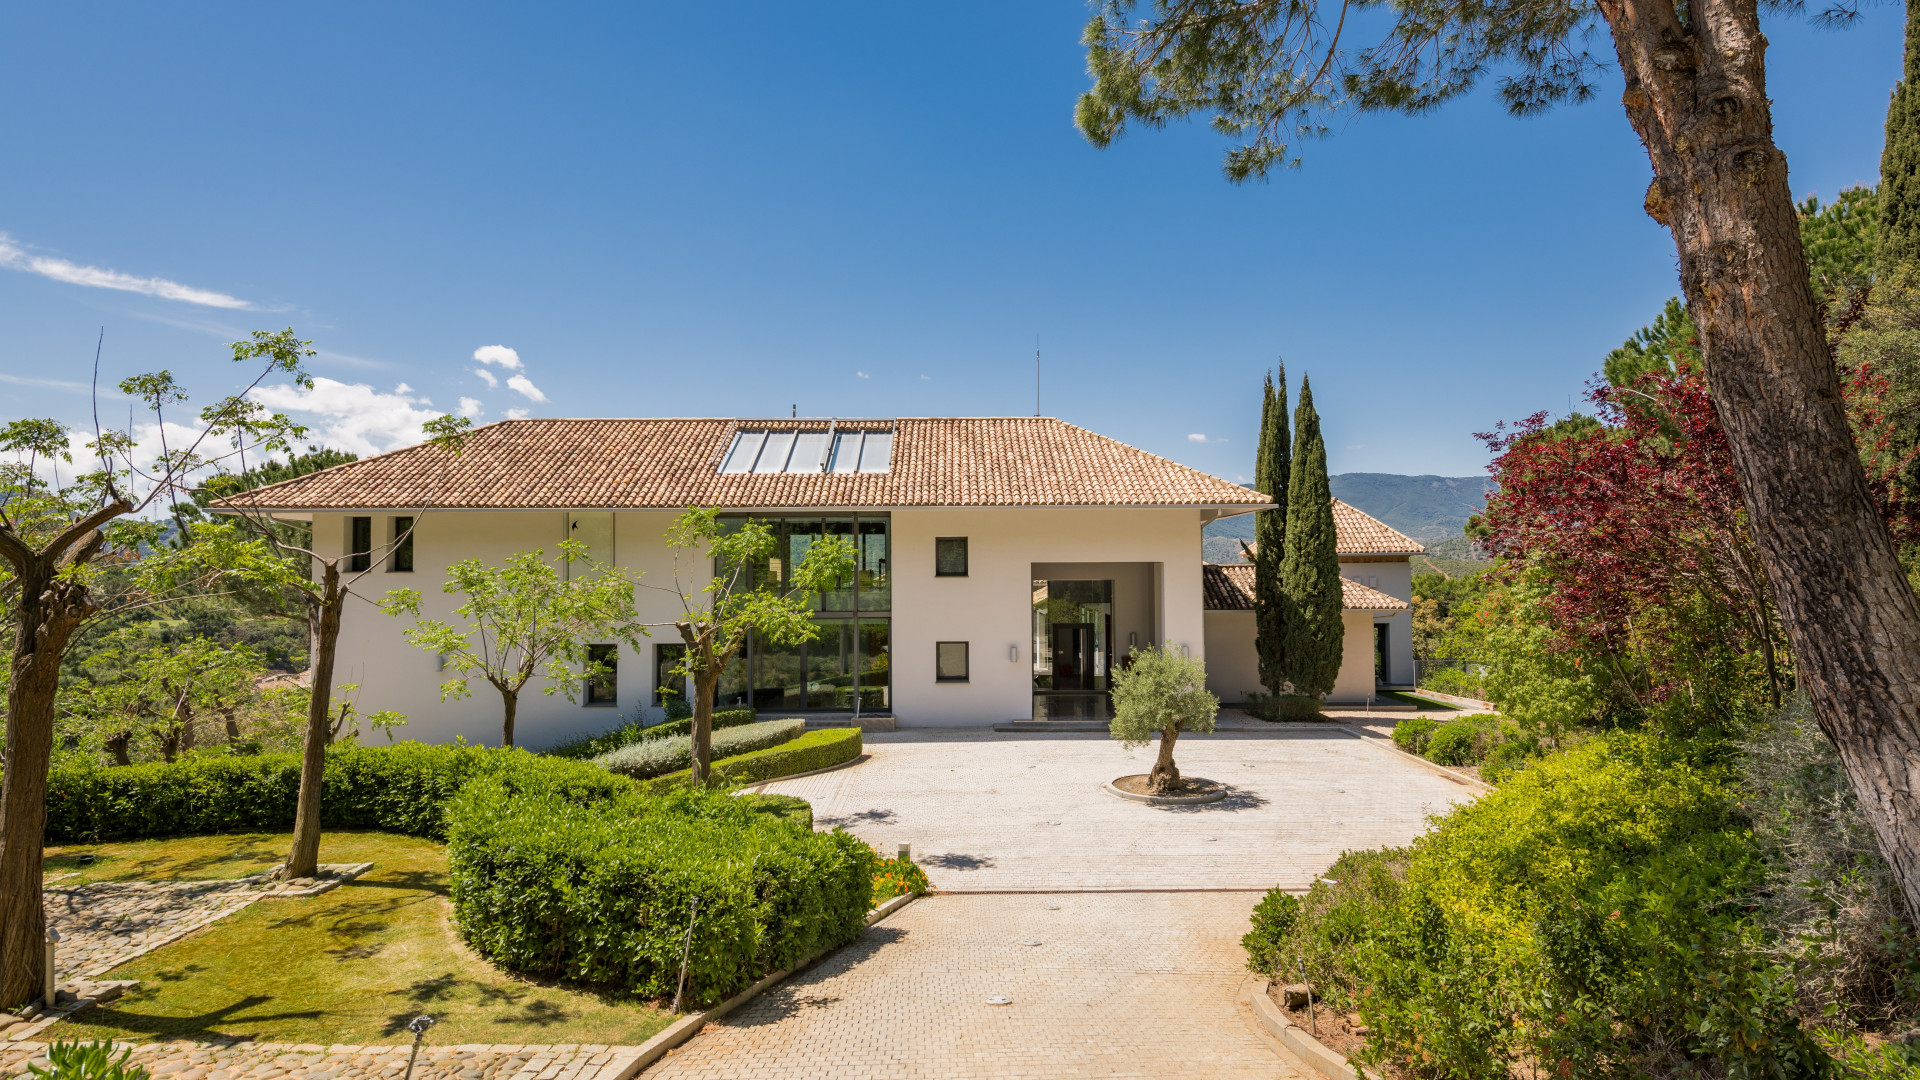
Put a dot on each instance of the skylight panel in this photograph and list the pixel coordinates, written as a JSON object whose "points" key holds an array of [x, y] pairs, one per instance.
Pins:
{"points": [[809, 452], [773, 458], [876, 456], [846, 452], [746, 447]]}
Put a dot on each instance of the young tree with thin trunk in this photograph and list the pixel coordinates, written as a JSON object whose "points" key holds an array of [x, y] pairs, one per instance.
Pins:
{"points": [[1272, 468], [1161, 693], [53, 535], [1696, 95], [743, 594], [1310, 575], [525, 618]]}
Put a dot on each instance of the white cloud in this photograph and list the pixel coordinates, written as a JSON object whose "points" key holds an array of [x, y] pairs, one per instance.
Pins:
{"points": [[403, 388], [106, 391], [926, 378], [863, 374], [526, 388], [499, 354], [1196, 437], [517, 414], [492, 383], [94, 277], [471, 408], [351, 416]]}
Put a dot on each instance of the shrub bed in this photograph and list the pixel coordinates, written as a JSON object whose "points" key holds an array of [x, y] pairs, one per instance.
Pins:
{"points": [[633, 731], [814, 750], [644, 760], [1591, 912], [594, 890], [403, 788]]}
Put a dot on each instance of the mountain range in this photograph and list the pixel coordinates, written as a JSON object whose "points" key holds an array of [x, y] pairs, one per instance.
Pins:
{"points": [[1431, 509]]}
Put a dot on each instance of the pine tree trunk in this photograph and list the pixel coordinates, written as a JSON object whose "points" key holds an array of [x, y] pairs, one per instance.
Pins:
{"points": [[1165, 777], [1696, 94], [49, 612], [304, 860]]}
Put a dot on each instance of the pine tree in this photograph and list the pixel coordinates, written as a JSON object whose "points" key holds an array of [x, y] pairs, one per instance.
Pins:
{"points": [[1310, 571], [1899, 209], [1271, 467]]}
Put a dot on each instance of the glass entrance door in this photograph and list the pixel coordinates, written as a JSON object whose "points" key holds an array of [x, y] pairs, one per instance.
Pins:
{"points": [[1073, 656]]}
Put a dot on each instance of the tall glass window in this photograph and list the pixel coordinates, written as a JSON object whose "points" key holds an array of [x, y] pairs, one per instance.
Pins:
{"points": [[872, 557]]}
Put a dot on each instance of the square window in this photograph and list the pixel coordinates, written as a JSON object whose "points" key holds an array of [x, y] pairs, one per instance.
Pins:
{"points": [[402, 546], [359, 544], [604, 688], [950, 556], [950, 661]]}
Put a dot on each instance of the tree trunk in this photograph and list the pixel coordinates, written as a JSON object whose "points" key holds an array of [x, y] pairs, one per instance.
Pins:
{"points": [[50, 611], [509, 703], [117, 746], [304, 860], [705, 683], [1696, 94], [1165, 777]]}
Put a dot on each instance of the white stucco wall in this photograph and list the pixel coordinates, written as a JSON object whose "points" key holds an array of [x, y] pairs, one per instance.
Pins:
{"points": [[395, 674], [1396, 580], [1355, 683], [1233, 664], [991, 608]]}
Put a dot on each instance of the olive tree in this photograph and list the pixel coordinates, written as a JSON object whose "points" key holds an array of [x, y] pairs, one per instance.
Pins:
{"points": [[527, 617], [1161, 693]]}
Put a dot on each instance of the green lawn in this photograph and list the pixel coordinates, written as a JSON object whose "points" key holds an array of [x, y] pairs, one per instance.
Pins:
{"points": [[349, 966]]}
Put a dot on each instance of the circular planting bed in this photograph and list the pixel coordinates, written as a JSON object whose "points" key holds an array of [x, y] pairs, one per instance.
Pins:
{"points": [[1192, 789]]}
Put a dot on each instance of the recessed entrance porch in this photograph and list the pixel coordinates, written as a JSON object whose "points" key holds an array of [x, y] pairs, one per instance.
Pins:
{"points": [[1087, 618]]}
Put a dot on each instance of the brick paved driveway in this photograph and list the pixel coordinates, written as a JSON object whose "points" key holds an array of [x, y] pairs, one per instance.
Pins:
{"points": [[1120, 985], [988, 811]]}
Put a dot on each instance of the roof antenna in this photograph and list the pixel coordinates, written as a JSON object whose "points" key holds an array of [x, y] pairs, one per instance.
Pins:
{"points": [[796, 412], [1036, 374]]}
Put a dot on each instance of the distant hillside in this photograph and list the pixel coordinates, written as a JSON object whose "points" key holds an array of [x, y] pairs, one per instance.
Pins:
{"points": [[1431, 509], [1423, 507]]}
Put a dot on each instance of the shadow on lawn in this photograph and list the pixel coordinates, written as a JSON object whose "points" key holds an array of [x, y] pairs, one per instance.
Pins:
{"points": [[528, 1010], [214, 1023]]}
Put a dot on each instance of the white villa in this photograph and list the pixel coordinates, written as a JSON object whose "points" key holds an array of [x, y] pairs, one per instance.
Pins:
{"points": [[1004, 563]]}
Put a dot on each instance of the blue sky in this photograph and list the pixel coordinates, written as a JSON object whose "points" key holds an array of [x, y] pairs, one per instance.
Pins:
{"points": [[861, 209]]}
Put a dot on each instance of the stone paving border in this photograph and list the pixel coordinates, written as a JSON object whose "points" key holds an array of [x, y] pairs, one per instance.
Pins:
{"points": [[298, 1061], [330, 877], [1304, 1046]]}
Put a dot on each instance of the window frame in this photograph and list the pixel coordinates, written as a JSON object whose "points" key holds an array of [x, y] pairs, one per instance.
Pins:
{"points": [[611, 657], [966, 662], [966, 556], [402, 548], [359, 559], [660, 670]]}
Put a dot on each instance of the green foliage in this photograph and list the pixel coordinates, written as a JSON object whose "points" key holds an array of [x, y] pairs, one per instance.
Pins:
{"points": [[792, 809], [633, 731], [1546, 690], [1161, 693], [598, 889], [657, 757], [1669, 345], [1413, 735], [1459, 742], [1325, 928], [71, 1059], [523, 618], [401, 788], [1272, 471], [1450, 592], [897, 877], [1310, 572], [814, 750], [1897, 244], [1588, 911], [1284, 707], [1839, 240]]}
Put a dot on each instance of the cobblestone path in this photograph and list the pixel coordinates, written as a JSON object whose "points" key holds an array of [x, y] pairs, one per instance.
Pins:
{"points": [[108, 923], [270, 1061], [1118, 985]]}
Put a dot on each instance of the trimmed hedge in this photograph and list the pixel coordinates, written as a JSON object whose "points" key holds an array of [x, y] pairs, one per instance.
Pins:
{"points": [[594, 890], [657, 756], [403, 788], [633, 731], [814, 750]]}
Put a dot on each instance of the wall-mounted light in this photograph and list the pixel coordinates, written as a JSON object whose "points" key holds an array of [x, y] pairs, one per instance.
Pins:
{"points": [[1133, 639], [1013, 654]]}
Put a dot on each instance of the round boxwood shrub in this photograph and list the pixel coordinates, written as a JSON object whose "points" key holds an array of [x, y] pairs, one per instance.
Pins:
{"points": [[1412, 735]]}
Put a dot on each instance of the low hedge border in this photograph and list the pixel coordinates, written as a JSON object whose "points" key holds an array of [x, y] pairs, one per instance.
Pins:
{"points": [[814, 750], [658, 757], [633, 731]]}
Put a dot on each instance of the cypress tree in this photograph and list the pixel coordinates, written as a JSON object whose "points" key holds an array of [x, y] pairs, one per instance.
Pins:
{"points": [[1310, 571], [1271, 467], [1899, 209]]}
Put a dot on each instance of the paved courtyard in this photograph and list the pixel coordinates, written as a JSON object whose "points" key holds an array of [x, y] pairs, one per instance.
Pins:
{"points": [[1118, 985], [988, 811]]}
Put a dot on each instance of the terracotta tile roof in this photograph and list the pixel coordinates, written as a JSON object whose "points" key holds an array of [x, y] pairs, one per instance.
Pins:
{"points": [[1356, 533], [1229, 587], [646, 463]]}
